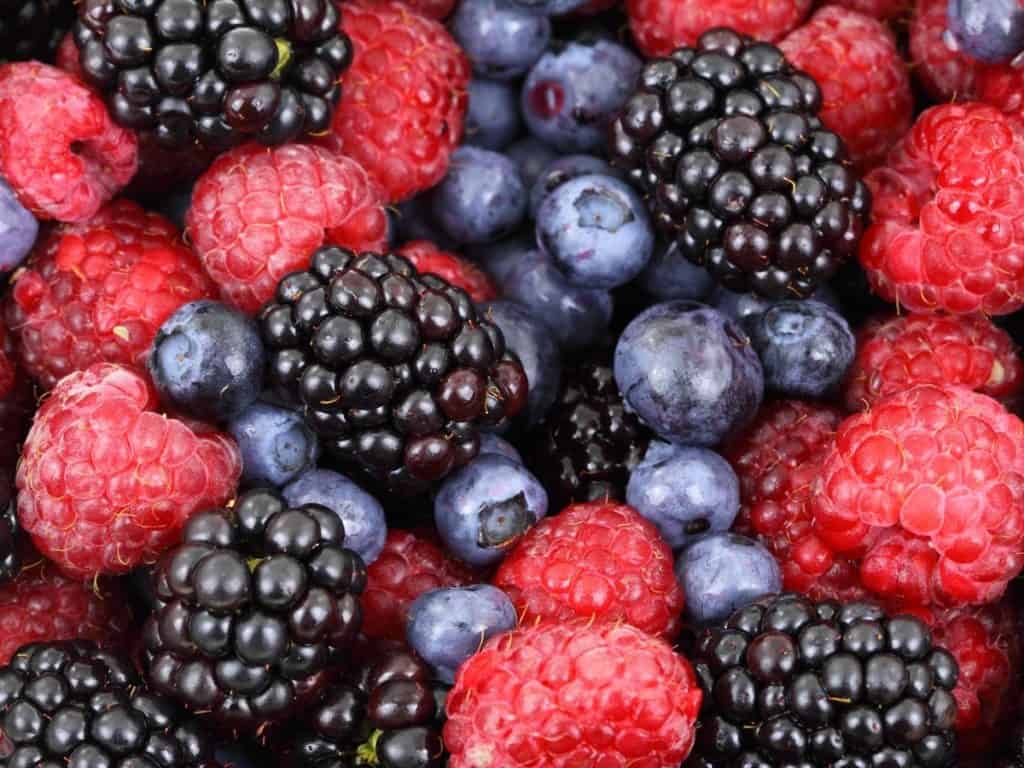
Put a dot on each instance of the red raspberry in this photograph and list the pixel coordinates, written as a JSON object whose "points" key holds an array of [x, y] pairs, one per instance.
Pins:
{"points": [[945, 73], [59, 149], [948, 209], [67, 56], [598, 559], [407, 567], [99, 291], [428, 258], [7, 368], [661, 26], [404, 101], [897, 352], [864, 82], [259, 213], [928, 488], [106, 483], [432, 9], [561, 695], [878, 9]]}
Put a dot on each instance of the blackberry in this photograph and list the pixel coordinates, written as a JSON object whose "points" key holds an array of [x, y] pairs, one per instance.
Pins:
{"points": [[589, 444], [252, 608], [737, 167], [32, 29], [9, 560], [1012, 754], [216, 71], [395, 369], [72, 705], [790, 683]]}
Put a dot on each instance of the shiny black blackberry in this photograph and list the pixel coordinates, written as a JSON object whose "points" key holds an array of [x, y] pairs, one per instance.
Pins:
{"points": [[253, 607], [395, 370], [16, 409], [32, 29], [789, 683], [72, 705], [216, 71], [737, 167]]}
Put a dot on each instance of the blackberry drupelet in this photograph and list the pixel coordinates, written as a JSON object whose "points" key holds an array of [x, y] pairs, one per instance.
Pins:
{"points": [[789, 683], [252, 608], [726, 142], [10, 562], [1012, 754], [217, 72], [32, 29], [72, 705], [395, 369]]}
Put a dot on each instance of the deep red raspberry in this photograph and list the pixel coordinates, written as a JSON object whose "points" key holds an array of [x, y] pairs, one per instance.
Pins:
{"points": [[259, 213], [404, 101], [879, 9], [899, 351], [67, 56], [428, 258], [599, 559], [407, 567], [432, 9], [572, 695], [106, 482], [945, 72], [7, 367], [59, 149], [927, 487], [864, 81], [99, 291], [948, 229]]}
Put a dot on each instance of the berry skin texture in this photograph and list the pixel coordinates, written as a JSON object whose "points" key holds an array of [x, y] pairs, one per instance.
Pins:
{"points": [[258, 214], [99, 291], [462, 273], [864, 82], [59, 148], [405, 97], [106, 483], [575, 694], [878, 9], [595, 560], [927, 488], [944, 72], [947, 214]]}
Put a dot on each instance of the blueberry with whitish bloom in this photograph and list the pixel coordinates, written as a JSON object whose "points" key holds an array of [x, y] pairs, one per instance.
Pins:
{"points": [[531, 156], [18, 229], [502, 258], [275, 442], [502, 39], [491, 443], [482, 198], [670, 275], [562, 170], [740, 306], [492, 117]]}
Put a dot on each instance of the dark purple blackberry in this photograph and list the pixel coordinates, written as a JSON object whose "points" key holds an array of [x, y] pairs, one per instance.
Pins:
{"points": [[16, 409], [737, 167], [252, 608], [216, 71], [72, 705], [790, 683], [1012, 754], [32, 29], [396, 371]]}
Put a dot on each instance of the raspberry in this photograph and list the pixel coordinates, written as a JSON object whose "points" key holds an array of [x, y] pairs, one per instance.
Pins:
{"points": [[67, 56], [660, 26], [928, 488], [59, 149], [106, 483], [598, 559], [7, 367], [162, 169], [948, 209], [945, 73], [429, 259], [864, 83], [406, 568], [560, 695], [897, 352], [878, 9], [98, 291], [404, 101], [259, 213], [432, 9]]}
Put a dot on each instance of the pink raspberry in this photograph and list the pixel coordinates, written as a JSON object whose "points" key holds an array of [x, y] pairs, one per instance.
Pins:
{"points": [[878, 9]]}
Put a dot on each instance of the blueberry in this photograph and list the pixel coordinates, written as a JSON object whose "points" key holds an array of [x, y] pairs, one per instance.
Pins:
{"points": [[562, 170], [723, 572], [991, 31], [499, 446], [275, 442], [597, 230], [18, 229], [501, 38], [571, 94], [207, 361], [484, 508], [531, 156], [447, 626], [492, 119], [805, 347], [689, 373], [684, 491], [739, 306], [413, 220], [361, 513], [670, 275], [482, 198], [549, 7], [501, 259]]}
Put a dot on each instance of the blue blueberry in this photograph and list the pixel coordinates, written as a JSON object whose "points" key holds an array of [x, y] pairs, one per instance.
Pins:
{"points": [[572, 93], [531, 156], [447, 626], [502, 39], [499, 446], [723, 572], [482, 198], [492, 119], [414, 220], [18, 229], [689, 373], [207, 361], [740, 306], [549, 7], [275, 442], [562, 170], [361, 513], [991, 31], [684, 491], [501, 259], [485, 507], [670, 275]]}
